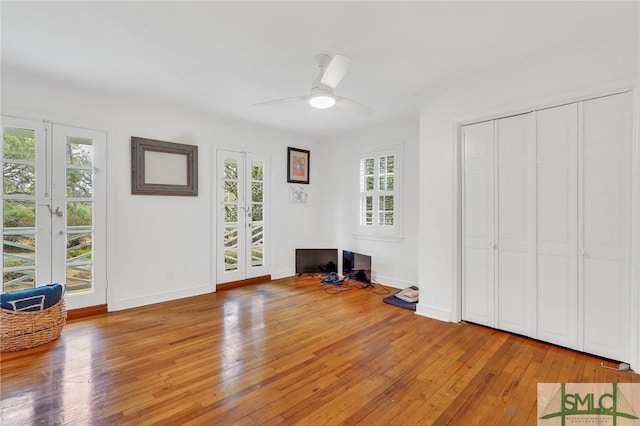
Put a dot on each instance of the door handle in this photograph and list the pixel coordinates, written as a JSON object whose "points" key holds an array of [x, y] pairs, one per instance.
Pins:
{"points": [[57, 211]]}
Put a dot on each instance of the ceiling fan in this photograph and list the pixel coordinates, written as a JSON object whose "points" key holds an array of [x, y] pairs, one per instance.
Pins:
{"points": [[332, 71]]}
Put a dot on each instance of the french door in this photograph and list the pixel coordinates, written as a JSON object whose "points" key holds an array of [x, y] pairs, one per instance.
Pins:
{"points": [[53, 209], [243, 216]]}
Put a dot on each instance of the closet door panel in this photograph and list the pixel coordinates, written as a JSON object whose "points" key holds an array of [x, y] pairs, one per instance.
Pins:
{"points": [[512, 208], [557, 302], [513, 139], [606, 225], [479, 185], [478, 222], [479, 306], [513, 307], [514, 275], [606, 331], [605, 221], [557, 213], [479, 205]]}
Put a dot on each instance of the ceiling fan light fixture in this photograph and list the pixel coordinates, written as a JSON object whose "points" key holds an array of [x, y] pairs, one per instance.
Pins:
{"points": [[322, 101]]}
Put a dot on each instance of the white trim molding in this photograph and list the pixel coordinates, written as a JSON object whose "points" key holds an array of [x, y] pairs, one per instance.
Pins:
{"points": [[433, 312]]}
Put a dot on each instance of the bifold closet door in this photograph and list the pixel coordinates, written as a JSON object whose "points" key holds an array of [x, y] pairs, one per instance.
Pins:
{"points": [[515, 233], [583, 174], [547, 224], [557, 220], [605, 224], [479, 224], [498, 201]]}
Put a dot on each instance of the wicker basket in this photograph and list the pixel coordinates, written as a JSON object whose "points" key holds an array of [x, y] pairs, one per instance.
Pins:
{"points": [[23, 330]]}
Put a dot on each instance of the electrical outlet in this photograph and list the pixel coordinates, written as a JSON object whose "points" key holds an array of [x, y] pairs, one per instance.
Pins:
{"points": [[171, 276]]}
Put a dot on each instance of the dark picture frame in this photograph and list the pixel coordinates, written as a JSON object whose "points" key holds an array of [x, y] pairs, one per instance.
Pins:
{"points": [[298, 165], [163, 168]]}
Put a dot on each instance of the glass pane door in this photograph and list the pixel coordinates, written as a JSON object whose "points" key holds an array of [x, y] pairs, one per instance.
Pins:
{"points": [[79, 219], [232, 251], [22, 144], [53, 209], [256, 217], [242, 216]]}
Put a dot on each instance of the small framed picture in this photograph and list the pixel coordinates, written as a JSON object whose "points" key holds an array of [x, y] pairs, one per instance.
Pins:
{"points": [[297, 165]]}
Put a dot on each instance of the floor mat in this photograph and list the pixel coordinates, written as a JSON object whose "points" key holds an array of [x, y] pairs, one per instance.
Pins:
{"points": [[393, 300]]}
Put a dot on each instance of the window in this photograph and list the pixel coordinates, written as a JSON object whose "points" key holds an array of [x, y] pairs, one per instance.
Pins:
{"points": [[379, 195]]}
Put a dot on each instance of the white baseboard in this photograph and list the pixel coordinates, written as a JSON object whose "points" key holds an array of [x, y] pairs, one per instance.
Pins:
{"points": [[433, 312], [391, 282], [135, 302], [284, 273]]}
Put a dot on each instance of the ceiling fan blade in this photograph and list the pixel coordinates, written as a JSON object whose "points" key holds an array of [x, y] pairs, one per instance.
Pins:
{"points": [[281, 101], [335, 71], [354, 106]]}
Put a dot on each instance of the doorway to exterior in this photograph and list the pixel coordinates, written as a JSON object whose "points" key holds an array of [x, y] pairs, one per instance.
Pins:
{"points": [[243, 216], [54, 209]]}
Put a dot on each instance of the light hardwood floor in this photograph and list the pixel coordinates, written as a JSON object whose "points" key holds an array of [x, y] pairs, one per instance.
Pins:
{"points": [[284, 352]]}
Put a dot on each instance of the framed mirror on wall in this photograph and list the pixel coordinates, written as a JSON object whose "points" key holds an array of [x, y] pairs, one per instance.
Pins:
{"points": [[163, 168]]}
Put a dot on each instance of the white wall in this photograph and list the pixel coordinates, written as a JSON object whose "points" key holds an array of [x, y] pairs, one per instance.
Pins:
{"points": [[151, 235], [549, 78], [393, 263]]}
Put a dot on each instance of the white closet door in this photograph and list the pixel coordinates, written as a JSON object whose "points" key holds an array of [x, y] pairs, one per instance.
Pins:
{"points": [[515, 278], [605, 224], [557, 215], [479, 226]]}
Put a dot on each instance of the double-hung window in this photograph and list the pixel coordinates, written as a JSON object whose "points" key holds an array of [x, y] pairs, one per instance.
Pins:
{"points": [[379, 195]]}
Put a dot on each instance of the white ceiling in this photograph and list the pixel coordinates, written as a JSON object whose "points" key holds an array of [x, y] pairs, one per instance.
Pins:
{"points": [[225, 56]]}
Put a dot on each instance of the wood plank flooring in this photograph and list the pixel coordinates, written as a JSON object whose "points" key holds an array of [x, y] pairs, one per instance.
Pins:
{"points": [[284, 352]]}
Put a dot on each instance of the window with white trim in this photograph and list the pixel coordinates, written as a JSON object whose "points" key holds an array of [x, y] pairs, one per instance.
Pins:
{"points": [[379, 194]]}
